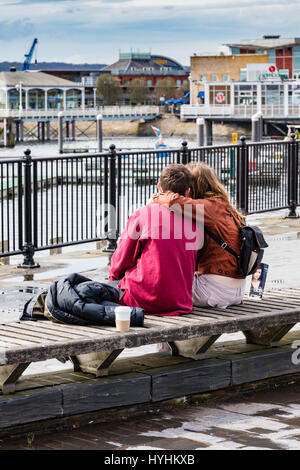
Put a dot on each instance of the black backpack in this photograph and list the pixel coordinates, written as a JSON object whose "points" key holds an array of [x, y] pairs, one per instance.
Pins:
{"points": [[252, 247]]}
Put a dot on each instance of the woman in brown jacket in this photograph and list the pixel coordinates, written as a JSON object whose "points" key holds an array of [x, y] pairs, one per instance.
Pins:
{"points": [[217, 282]]}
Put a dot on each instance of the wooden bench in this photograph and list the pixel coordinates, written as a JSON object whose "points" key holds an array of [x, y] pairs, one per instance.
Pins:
{"points": [[93, 349]]}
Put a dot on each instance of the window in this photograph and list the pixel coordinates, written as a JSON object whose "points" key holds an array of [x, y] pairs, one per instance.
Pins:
{"points": [[284, 74], [202, 78], [243, 75], [214, 78], [225, 78], [178, 83]]}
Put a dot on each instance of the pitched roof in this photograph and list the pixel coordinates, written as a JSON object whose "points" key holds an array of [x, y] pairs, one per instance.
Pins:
{"points": [[35, 79]]}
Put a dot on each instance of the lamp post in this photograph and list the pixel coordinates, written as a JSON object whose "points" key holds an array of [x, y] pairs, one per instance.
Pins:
{"points": [[19, 87], [95, 102]]}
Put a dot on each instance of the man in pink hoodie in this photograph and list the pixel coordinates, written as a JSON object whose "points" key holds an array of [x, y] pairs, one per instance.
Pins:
{"points": [[156, 256]]}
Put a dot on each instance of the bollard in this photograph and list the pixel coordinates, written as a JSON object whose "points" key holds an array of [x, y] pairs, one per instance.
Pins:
{"points": [[99, 133], [200, 132], [208, 132], [60, 132], [256, 122]]}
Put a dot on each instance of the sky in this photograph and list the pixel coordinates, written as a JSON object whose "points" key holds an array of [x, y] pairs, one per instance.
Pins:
{"points": [[94, 31]]}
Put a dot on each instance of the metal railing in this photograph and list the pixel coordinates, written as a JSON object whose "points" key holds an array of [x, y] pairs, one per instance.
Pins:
{"points": [[192, 111], [106, 111], [50, 202]]}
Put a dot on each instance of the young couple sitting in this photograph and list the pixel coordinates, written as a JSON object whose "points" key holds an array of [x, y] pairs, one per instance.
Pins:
{"points": [[165, 262]]}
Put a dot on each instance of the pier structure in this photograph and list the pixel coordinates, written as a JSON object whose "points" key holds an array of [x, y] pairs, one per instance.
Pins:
{"points": [[37, 99]]}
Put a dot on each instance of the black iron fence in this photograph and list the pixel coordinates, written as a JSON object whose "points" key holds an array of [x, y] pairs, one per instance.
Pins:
{"points": [[66, 200]]}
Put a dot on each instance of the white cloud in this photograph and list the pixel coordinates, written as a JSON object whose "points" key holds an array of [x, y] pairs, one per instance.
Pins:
{"points": [[92, 12], [94, 30]]}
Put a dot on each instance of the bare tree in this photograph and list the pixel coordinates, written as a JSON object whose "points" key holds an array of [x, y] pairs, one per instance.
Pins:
{"points": [[137, 90], [109, 89], [182, 90], [165, 88]]}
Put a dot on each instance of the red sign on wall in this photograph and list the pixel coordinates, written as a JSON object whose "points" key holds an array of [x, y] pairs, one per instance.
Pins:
{"points": [[220, 97]]}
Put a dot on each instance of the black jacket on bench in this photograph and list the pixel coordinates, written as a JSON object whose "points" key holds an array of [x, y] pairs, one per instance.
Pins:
{"points": [[78, 300]]}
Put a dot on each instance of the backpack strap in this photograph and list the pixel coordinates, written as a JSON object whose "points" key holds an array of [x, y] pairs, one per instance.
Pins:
{"points": [[235, 221], [221, 243]]}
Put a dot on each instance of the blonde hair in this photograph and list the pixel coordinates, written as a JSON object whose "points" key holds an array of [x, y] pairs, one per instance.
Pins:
{"points": [[206, 184]]}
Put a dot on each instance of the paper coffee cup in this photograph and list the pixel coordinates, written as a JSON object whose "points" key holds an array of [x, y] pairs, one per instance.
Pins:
{"points": [[122, 317]]}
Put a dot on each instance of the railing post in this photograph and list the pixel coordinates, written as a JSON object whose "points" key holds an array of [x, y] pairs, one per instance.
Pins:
{"points": [[292, 177], [112, 235], [242, 176], [185, 153], [28, 248]]}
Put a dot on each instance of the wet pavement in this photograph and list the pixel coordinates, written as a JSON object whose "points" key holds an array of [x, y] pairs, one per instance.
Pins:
{"points": [[267, 420]]}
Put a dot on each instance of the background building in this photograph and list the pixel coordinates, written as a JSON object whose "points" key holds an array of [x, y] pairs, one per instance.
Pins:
{"points": [[218, 68], [151, 69], [38, 90], [283, 52]]}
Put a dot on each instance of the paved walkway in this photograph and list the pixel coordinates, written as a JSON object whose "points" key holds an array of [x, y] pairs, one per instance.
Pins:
{"points": [[261, 420]]}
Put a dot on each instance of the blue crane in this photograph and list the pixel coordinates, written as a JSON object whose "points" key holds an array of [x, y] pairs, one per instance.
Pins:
{"points": [[28, 57]]}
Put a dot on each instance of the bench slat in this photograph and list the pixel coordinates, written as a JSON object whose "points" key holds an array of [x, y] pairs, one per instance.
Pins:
{"points": [[49, 328], [15, 342], [199, 312], [177, 321], [24, 336], [280, 303], [85, 330], [36, 332], [39, 328]]}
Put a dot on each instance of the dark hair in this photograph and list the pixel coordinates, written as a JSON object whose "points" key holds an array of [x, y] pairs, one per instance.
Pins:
{"points": [[258, 267], [176, 178]]}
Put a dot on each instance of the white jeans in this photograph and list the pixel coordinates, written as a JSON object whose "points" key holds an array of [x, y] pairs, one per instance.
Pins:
{"points": [[208, 292]]}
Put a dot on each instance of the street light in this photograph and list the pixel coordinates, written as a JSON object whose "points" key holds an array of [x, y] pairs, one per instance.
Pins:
{"points": [[95, 89], [19, 87]]}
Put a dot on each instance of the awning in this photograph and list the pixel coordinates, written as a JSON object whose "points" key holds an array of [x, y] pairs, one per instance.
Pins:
{"points": [[200, 94]]}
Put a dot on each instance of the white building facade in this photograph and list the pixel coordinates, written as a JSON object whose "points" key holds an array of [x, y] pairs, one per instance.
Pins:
{"points": [[243, 99], [39, 91]]}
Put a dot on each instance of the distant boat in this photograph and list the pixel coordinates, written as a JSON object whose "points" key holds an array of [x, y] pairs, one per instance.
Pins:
{"points": [[159, 144]]}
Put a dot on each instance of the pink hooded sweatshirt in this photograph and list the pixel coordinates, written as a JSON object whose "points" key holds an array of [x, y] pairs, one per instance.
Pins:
{"points": [[156, 259]]}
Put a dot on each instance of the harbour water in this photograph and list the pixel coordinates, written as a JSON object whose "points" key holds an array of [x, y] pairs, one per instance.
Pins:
{"points": [[39, 149]]}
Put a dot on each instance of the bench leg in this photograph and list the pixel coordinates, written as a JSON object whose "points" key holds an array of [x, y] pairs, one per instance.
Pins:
{"points": [[193, 348], [9, 376], [95, 363], [269, 336]]}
